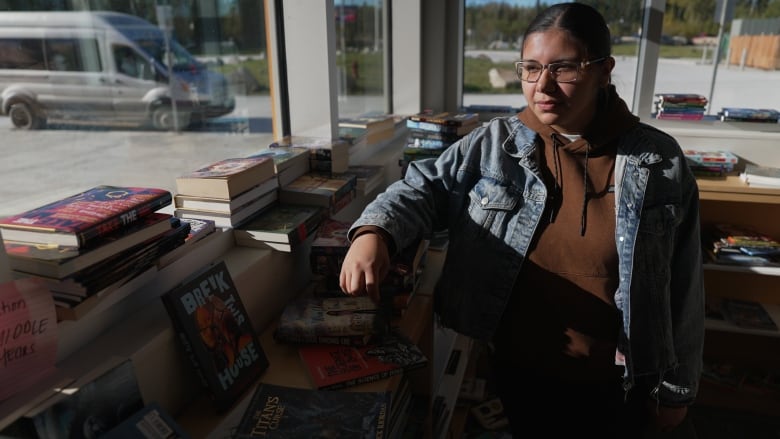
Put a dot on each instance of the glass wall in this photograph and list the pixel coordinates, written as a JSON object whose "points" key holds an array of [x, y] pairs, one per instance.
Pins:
{"points": [[126, 92], [691, 35], [361, 56]]}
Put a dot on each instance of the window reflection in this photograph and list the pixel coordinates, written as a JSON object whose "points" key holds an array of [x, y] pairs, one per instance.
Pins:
{"points": [[360, 56]]}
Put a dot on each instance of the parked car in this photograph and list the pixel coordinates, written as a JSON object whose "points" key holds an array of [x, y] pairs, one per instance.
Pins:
{"points": [[102, 66]]}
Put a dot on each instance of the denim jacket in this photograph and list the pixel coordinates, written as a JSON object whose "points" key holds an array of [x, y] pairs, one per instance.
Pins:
{"points": [[486, 190]]}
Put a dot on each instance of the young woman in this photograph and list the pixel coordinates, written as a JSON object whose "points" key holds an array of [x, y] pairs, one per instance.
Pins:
{"points": [[574, 244]]}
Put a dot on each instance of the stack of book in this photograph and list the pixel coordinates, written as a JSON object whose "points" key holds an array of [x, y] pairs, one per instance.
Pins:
{"points": [[369, 128], [739, 245], [369, 177], [325, 155], [228, 192], [706, 163], [431, 133], [329, 191], [87, 245], [739, 114], [289, 162], [761, 176], [679, 106], [282, 227], [330, 246], [340, 344]]}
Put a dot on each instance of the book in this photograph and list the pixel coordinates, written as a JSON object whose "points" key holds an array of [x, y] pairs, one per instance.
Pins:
{"points": [[446, 118], [282, 223], [283, 412], [748, 314], [332, 367], [369, 177], [749, 114], [346, 316], [459, 130], [316, 189], [226, 178], [213, 326], [61, 261], [80, 219], [236, 218], [334, 151], [221, 205], [289, 162], [199, 229], [761, 175], [150, 422], [123, 265], [93, 405]]}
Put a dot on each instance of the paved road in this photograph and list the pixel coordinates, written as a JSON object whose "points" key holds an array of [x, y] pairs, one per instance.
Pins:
{"points": [[42, 166]]}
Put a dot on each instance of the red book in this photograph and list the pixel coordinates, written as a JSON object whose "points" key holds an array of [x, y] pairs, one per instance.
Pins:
{"points": [[335, 367], [81, 219]]}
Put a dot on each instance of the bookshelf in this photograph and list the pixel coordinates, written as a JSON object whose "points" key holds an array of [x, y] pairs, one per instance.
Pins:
{"points": [[730, 200]]}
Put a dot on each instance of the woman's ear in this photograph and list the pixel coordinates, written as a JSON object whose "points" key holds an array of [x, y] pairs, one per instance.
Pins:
{"points": [[607, 65]]}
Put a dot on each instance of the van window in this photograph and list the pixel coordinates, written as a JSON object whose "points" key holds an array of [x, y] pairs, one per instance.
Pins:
{"points": [[72, 54], [130, 63], [21, 53]]}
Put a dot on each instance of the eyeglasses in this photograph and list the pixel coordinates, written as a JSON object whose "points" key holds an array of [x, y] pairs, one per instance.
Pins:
{"points": [[567, 71]]}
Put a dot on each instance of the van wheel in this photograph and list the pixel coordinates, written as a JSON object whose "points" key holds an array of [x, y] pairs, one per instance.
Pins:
{"points": [[163, 119], [24, 118]]}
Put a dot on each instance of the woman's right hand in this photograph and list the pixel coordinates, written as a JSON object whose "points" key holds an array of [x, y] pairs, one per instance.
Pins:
{"points": [[365, 266]]}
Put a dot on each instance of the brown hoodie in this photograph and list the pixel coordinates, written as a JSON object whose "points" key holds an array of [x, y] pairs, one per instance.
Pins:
{"points": [[562, 317]]}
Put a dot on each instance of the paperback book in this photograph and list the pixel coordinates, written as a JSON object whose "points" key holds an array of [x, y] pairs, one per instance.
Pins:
{"points": [[333, 367], [763, 176], [79, 220], [289, 162], [227, 206], [236, 218], [282, 412], [748, 314], [287, 224], [213, 326], [226, 178], [334, 151], [315, 189]]}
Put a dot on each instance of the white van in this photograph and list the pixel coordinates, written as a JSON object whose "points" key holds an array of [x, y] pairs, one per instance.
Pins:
{"points": [[101, 66]]}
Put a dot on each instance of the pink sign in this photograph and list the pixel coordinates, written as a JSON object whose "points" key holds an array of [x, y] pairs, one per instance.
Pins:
{"points": [[28, 335]]}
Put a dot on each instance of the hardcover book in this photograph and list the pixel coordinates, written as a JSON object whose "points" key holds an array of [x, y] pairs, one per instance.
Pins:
{"points": [[61, 261], [282, 412], [221, 205], [333, 367], [212, 325], [282, 223], [305, 319], [226, 178], [78, 220]]}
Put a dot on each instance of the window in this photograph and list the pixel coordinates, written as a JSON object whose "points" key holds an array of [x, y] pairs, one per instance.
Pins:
{"points": [[361, 56], [676, 55], [102, 120]]}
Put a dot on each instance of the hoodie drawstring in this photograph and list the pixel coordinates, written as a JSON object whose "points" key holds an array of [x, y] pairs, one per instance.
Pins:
{"points": [[584, 214], [556, 176]]}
